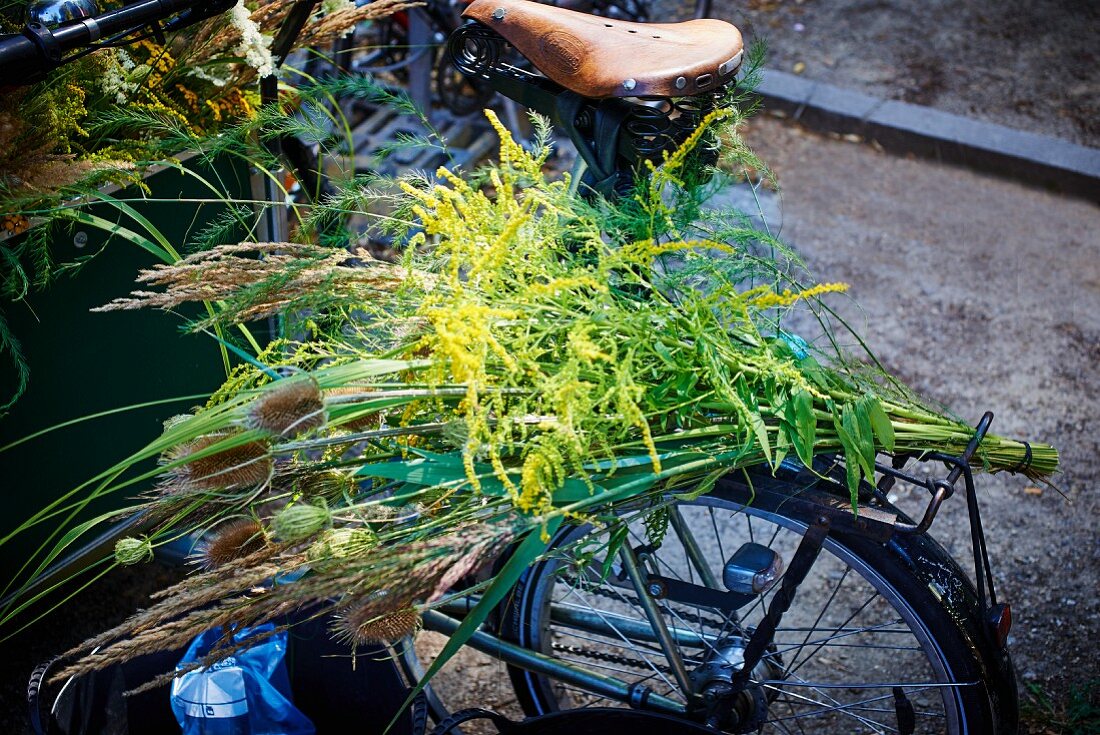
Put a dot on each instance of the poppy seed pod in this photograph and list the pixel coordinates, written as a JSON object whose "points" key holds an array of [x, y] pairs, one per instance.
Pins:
{"points": [[300, 521], [130, 550]]}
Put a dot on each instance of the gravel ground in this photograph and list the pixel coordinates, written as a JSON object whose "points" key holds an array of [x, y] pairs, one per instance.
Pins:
{"points": [[984, 295], [1028, 64]]}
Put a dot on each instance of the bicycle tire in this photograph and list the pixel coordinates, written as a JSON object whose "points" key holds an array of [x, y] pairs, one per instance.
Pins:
{"points": [[976, 688]]}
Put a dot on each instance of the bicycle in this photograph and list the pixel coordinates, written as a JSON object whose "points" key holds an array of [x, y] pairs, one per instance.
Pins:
{"points": [[705, 624], [656, 616]]}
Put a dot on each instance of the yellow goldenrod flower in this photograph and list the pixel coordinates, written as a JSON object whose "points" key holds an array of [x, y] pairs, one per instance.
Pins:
{"points": [[771, 299]]}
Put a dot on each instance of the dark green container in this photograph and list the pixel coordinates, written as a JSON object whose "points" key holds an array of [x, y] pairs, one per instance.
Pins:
{"points": [[83, 363]]}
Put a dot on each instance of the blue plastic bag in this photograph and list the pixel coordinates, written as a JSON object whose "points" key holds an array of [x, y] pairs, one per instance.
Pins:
{"points": [[247, 693]]}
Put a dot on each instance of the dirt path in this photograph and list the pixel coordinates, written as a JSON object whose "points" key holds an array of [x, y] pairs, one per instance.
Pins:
{"points": [[1023, 63], [985, 295]]}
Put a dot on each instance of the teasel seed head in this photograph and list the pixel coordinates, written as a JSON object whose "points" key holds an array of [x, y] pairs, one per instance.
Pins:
{"points": [[299, 521], [231, 541], [245, 465], [367, 625], [338, 544], [367, 421], [292, 406], [130, 550]]}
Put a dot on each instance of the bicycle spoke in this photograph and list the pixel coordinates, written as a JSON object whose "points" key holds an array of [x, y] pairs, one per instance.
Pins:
{"points": [[718, 536], [867, 685], [833, 706], [834, 660], [791, 668], [827, 641], [633, 648], [821, 614]]}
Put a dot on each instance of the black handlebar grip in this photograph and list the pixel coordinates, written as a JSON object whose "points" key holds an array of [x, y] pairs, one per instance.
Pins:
{"points": [[23, 59], [26, 57]]}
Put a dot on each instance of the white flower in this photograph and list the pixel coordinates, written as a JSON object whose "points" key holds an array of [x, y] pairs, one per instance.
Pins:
{"points": [[124, 59], [200, 72], [115, 80], [255, 47]]}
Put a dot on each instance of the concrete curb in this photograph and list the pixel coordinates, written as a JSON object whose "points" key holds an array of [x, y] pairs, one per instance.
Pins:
{"points": [[904, 128]]}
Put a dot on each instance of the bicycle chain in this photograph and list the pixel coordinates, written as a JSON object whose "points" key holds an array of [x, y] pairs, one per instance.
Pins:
{"points": [[611, 658]]}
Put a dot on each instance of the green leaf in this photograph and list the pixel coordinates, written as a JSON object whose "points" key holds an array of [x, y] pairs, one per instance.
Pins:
{"points": [[524, 555], [866, 436], [705, 485], [618, 537], [863, 444], [661, 391], [619, 487], [802, 407], [812, 369], [851, 468], [405, 494], [782, 445], [442, 471], [353, 411], [880, 423], [852, 458], [116, 229], [664, 353], [761, 432], [436, 470], [620, 463], [571, 491], [686, 383], [144, 222]]}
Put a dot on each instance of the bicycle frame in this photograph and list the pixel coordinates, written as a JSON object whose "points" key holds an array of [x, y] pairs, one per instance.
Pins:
{"points": [[631, 694]]}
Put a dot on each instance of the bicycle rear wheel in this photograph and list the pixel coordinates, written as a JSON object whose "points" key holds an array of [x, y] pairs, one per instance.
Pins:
{"points": [[866, 646]]}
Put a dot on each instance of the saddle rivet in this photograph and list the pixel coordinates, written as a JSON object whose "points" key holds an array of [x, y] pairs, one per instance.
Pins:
{"points": [[629, 84], [498, 14], [681, 82]]}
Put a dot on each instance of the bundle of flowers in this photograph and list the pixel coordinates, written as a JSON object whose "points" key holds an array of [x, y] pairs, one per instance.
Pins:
{"points": [[538, 358]]}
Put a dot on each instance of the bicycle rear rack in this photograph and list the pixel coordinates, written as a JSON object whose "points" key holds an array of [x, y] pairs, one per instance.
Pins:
{"points": [[940, 490]]}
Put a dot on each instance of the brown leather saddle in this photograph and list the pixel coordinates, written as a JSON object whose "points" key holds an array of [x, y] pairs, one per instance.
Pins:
{"points": [[601, 57]]}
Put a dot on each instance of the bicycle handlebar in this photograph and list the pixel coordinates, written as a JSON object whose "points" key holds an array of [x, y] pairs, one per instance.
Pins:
{"points": [[26, 56]]}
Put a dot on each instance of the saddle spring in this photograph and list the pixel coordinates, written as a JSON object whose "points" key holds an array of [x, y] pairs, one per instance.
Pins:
{"points": [[643, 128]]}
